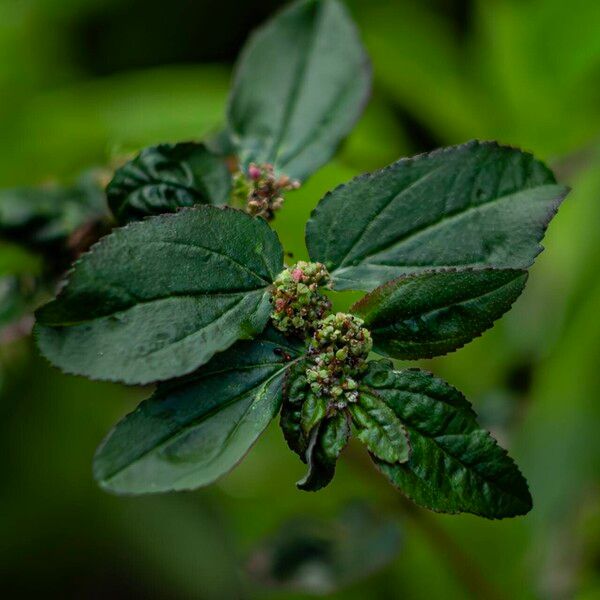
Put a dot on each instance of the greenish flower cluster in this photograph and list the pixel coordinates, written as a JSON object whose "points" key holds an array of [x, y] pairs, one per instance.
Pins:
{"points": [[297, 303], [338, 352], [260, 191]]}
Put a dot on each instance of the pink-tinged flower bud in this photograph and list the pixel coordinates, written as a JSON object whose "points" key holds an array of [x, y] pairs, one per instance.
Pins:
{"points": [[297, 274], [254, 172]]}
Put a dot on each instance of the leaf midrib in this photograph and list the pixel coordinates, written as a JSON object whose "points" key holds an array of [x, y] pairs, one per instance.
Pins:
{"points": [[200, 247], [442, 221], [389, 325], [388, 203], [293, 96], [198, 420], [208, 295], [445, 452]]}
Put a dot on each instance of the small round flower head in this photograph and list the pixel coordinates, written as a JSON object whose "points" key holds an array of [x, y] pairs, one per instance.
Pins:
{"points": [[339, 348], [297, 303], [260, 190]]}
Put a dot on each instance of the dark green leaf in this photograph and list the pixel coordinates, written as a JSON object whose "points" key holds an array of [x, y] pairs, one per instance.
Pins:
{"points": [[475, 205], [379, 429], [299, 87], [319, 556], [434, 312], [295, 390], [158, 298], [454, 465], [164, 178], [313, 412], [327, 440], [192, 431], [39, 216]]}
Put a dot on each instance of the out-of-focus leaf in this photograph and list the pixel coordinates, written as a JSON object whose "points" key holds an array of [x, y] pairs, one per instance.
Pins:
{"points": [[317, 556], [474, 205], [193, 431], [434, 312], [158, 298], [299, 87], [454, 465], [120, 113], [165, 178], [39, 216]]}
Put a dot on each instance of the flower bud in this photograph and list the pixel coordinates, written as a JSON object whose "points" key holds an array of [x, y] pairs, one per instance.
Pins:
{"points": [[338, 351], [298, 304], [260, 191]]}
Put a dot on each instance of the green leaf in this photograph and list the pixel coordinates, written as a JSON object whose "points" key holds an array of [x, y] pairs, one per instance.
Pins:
{"points": [[475, 205], [295, 390], [192, 431], [39, 216], [379, 429], [158, 298], [454, 465], [434, 312], [313, 412], [327, 440], [167, 177], [300, 85]]}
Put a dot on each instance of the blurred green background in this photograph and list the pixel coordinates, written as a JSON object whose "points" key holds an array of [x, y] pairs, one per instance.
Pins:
{"points": [[83, 81]]}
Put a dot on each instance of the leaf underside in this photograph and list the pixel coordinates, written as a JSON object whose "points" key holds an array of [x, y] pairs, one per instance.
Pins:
{"points": [[164, 178], [325, 445], [158, 298], [474, 205], [194, 430], [454, 465], [300, 85], [434, 312]]}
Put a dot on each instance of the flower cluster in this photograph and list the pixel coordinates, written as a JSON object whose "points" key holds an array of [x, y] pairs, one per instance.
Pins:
{"points": [[338, 351], [297, 303], [260, 190]]}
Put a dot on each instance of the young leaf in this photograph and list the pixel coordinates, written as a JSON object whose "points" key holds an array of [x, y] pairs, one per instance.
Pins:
{"points": [[39, 216], [167, 177], [434, 312], [193, 431], [295, 390], [299, 87], [454, 466], [313, 412], [475, 205], [327, 440], [379, 429], [158, 298]]}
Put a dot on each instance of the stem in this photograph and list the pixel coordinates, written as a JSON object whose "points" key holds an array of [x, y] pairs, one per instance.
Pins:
{"points": [[465, 569]]}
